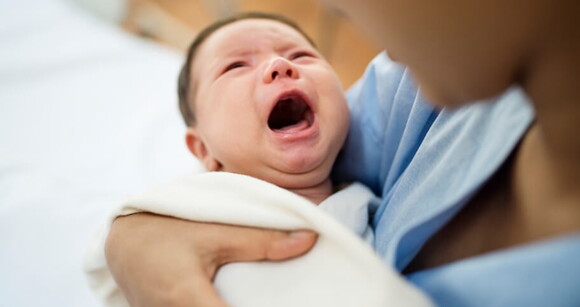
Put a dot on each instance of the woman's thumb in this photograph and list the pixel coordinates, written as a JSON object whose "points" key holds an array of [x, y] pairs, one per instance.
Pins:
{"points": [[254, 244]]}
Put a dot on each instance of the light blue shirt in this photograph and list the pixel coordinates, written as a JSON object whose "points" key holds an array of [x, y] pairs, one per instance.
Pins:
{"points": [[426, 165]]}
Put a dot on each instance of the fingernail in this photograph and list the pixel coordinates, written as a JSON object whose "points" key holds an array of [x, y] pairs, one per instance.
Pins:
{"points": [[302, 234]]}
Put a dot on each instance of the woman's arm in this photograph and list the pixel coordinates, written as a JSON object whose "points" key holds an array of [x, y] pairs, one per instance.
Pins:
{"points": [[164, 261]]}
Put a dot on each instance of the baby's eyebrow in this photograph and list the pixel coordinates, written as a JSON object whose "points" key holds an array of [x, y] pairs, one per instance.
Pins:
{"points": [[288, 45], [240, 52], [248, 50], [218, 61]]}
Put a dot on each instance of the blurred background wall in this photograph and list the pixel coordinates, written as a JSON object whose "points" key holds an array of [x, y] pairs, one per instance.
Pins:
{"points": [[175, 23]]}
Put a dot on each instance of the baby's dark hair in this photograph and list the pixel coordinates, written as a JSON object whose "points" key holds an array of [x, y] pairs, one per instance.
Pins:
{"points": [[184, 86]]}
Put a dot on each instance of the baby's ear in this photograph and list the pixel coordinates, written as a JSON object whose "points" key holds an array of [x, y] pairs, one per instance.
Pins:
{"points": [[198, 148]]}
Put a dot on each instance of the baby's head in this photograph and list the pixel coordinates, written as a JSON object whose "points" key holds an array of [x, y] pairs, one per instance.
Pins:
{"points": [[260, 100]]}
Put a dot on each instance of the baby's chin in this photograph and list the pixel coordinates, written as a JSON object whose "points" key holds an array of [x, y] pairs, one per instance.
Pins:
{"points": [[288, 173], [315, 188], [296, 180]]}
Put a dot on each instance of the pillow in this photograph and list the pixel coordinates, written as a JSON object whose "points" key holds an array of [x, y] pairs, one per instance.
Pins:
{"points": [[88, 114]]}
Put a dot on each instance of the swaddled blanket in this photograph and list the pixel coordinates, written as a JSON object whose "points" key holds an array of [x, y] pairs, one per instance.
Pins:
{"points": [[340, 270]]}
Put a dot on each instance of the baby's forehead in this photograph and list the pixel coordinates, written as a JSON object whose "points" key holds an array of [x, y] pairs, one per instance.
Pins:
{"points": [[245, 37], [248, 33]]}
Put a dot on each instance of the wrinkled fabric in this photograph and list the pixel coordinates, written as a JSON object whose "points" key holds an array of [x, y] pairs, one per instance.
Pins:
{"points": [[426, 164], [340, 270]]}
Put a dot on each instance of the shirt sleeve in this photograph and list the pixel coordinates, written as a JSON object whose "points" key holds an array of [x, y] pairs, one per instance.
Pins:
{"points": [[389, 120]]}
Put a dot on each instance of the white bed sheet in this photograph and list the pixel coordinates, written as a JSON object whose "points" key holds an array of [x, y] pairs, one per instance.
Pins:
{"points": [[88, 114]]}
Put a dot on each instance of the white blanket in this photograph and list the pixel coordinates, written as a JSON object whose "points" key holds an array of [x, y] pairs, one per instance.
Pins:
{"points": [[341, 269]]}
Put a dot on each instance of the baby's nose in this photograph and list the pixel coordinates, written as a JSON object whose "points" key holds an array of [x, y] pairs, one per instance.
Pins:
{"points": [[280, 68]]}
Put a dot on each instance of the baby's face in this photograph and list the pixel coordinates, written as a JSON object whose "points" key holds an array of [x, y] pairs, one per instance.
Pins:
{"points": [[267, 105]]}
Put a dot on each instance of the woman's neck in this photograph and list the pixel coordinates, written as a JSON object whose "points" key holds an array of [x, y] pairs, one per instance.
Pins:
{"points": [[547, 167], [553, 83]]}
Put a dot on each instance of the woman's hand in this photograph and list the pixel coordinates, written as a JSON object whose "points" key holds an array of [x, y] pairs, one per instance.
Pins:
{"points": [[163, 261]]}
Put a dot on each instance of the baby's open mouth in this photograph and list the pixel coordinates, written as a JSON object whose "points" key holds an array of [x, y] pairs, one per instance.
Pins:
{"points": [[289, 113]]}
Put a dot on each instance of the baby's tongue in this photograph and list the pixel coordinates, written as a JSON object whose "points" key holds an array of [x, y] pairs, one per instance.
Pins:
{"points": [[302, 124]]}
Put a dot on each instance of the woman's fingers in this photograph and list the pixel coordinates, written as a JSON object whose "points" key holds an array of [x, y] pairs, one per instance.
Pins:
{"points": [[240, 244], [163, 261]]}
